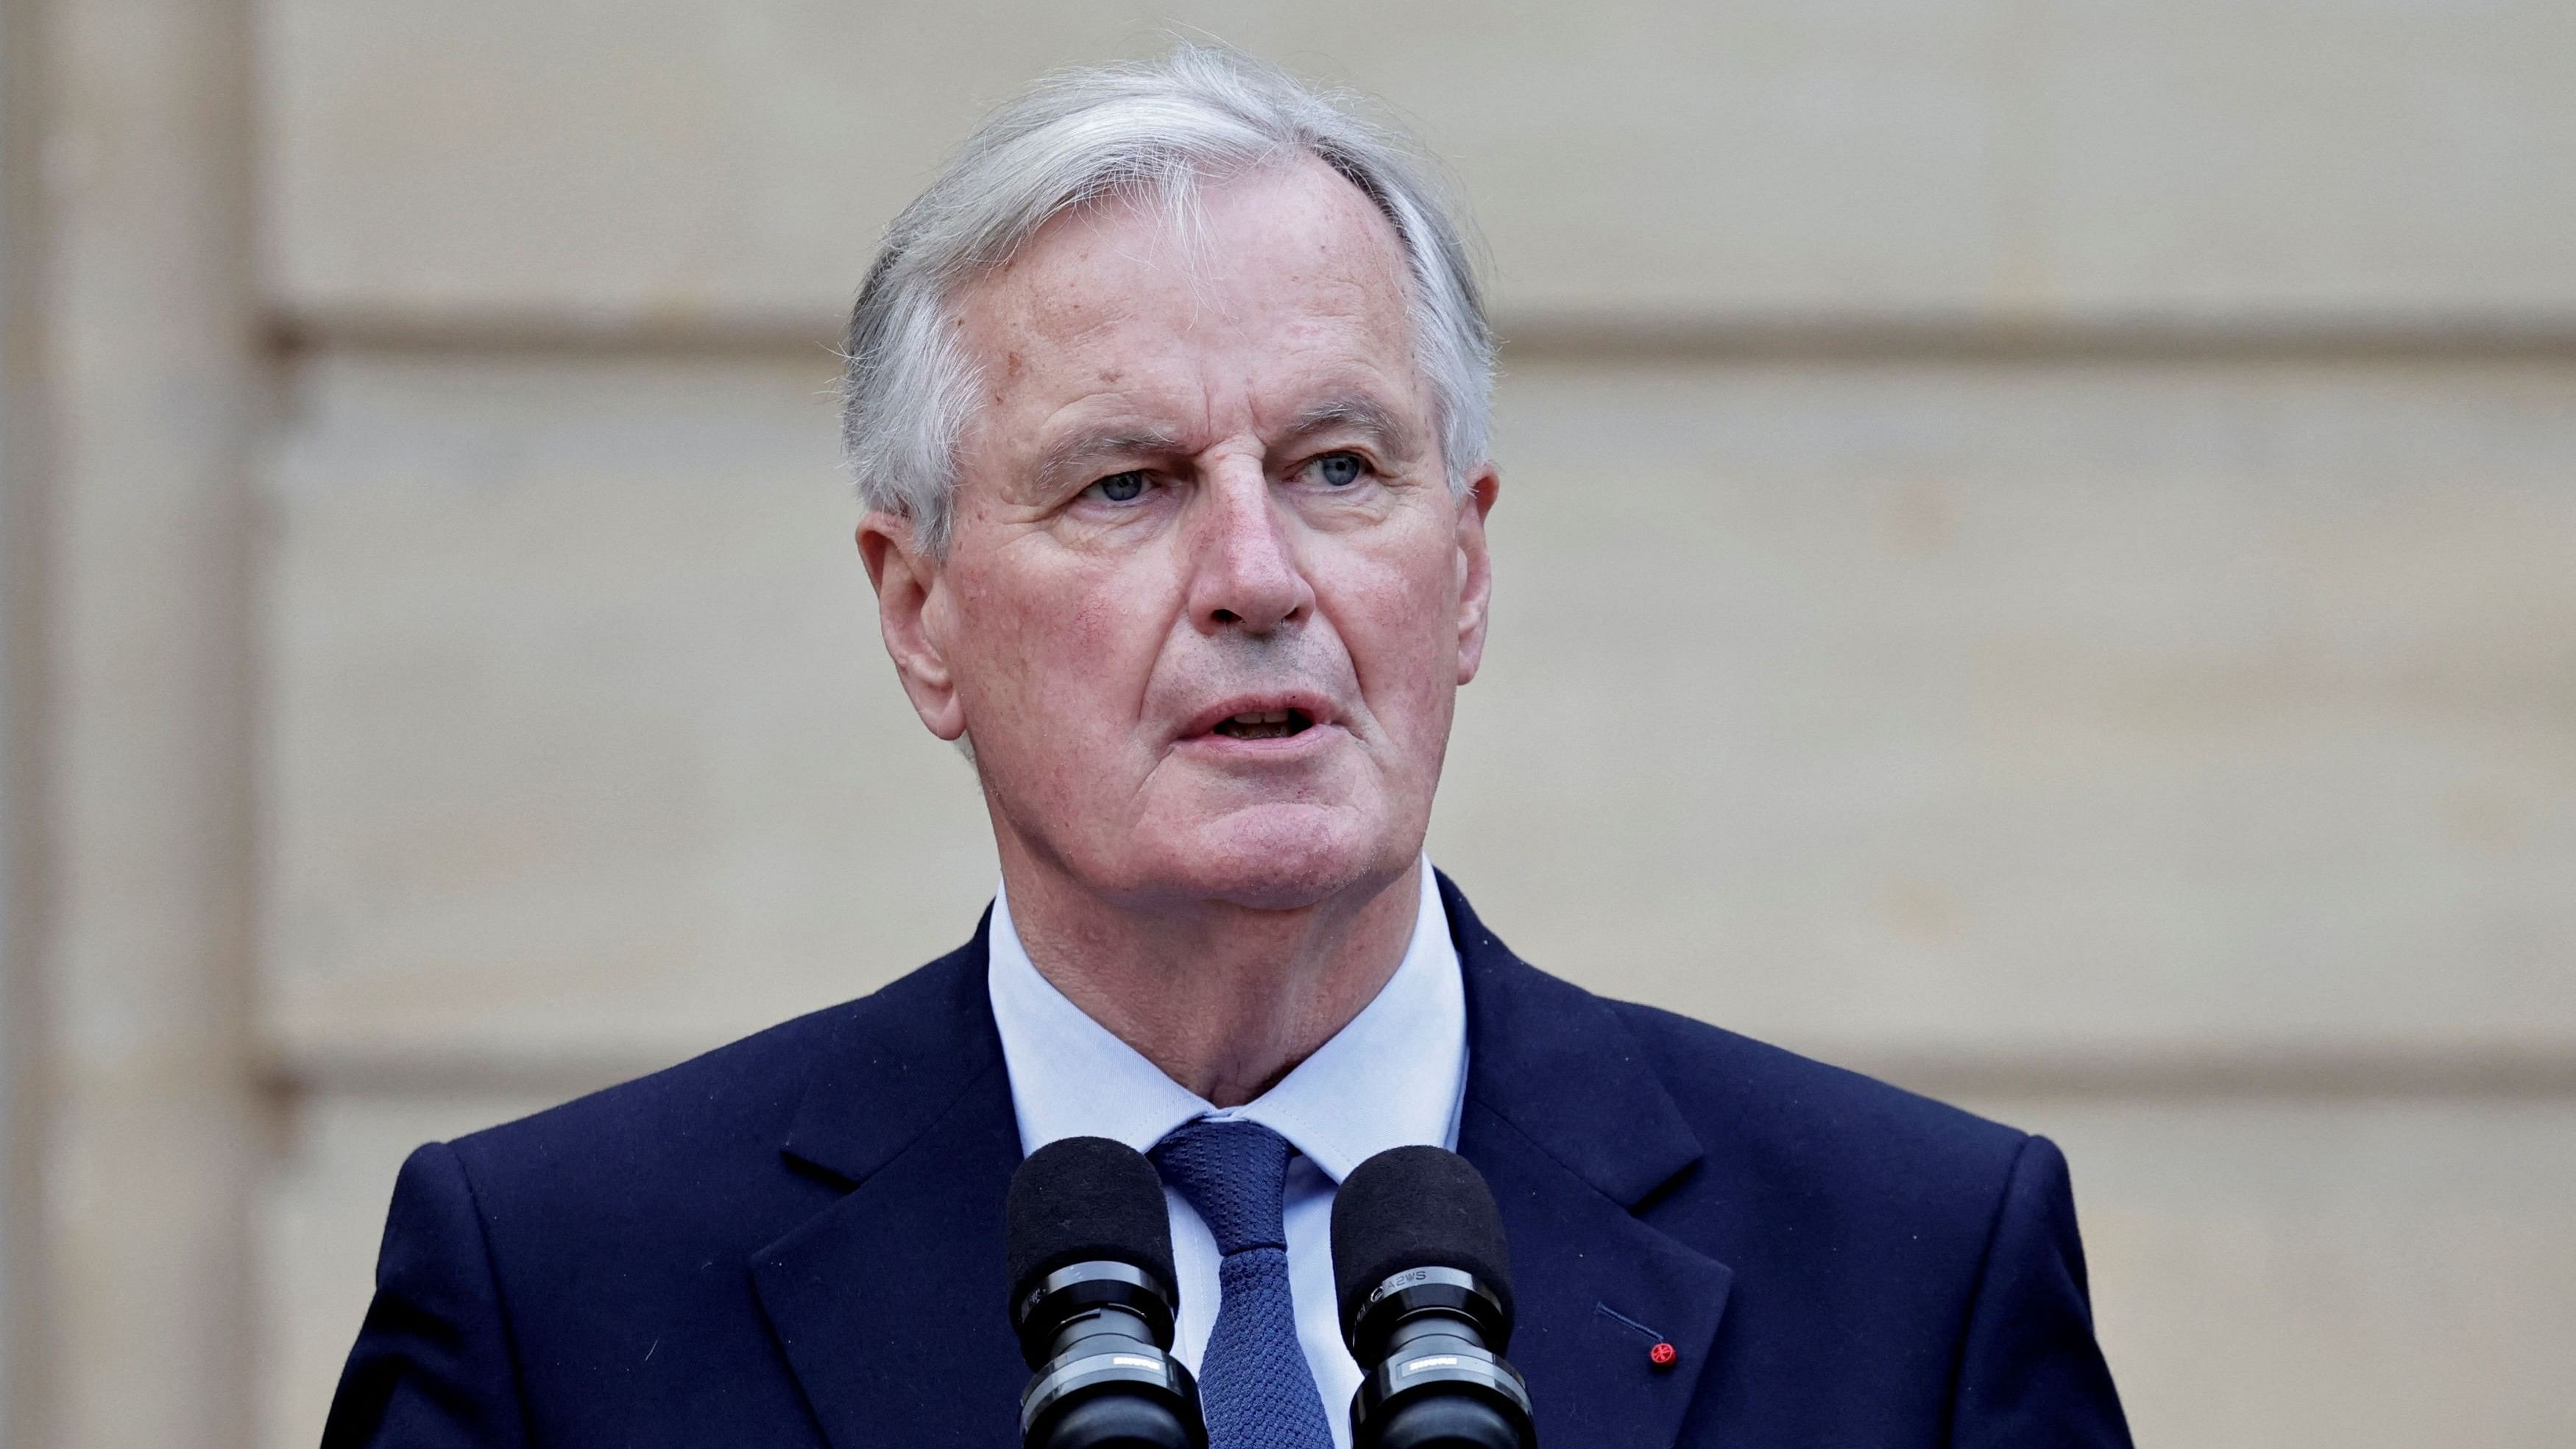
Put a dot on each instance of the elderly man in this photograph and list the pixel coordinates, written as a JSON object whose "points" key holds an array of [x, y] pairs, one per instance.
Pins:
{"points": [[1168, 402]]}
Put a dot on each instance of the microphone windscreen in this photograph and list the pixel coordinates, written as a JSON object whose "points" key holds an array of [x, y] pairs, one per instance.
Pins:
{"points": [[1416, 1207], [1084, 1199]]}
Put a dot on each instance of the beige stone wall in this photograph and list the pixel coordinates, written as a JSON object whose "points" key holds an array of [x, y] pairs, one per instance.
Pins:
{"points": [[133, 694], [2038, 557]]}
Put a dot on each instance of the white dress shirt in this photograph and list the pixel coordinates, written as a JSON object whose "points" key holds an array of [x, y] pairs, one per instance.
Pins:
{"points": [[1395, 1076]]}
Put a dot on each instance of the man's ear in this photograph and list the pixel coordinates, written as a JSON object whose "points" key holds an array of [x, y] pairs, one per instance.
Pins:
{"points": [[907, 582], [1475, 569]]}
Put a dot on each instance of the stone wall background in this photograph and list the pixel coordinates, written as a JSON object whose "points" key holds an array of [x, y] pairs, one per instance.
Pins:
{"points": [[2038, 558]]}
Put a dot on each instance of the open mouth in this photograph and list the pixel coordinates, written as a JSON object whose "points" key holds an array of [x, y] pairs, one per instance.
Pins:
{"points": [[1265, 724]]}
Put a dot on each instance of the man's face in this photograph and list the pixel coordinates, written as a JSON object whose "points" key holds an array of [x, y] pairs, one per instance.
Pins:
{"points": [[1209, 595]]}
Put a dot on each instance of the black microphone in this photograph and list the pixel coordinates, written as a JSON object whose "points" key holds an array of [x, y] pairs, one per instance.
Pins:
{"points": [[1092, 1299], [1425, 1284]]}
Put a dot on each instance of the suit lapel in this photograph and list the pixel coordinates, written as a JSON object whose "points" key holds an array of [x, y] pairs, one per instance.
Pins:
{"points": [[889, 1303], [1573, 1131]]}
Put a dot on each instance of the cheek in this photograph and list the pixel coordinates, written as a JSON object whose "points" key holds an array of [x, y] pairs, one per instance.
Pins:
{"points": [[1400, 616], [1060, 651]]}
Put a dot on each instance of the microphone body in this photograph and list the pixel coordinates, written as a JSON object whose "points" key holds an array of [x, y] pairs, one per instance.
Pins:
{"points": [[1092, 1300], [1424, 1280]]}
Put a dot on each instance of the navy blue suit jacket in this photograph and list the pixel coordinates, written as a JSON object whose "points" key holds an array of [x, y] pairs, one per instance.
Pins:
{"points": [[796, 1240]]}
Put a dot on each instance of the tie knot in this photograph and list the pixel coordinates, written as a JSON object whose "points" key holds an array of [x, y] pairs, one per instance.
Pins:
{"points": [[1235, 1174]]}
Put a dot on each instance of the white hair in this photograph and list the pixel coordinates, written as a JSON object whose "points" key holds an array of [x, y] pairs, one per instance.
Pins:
{"points": [[1155, 130]]}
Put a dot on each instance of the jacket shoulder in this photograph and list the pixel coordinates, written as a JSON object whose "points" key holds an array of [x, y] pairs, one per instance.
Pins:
{"points": [[744, 1086], [1810, 1128], [723, 1115]]}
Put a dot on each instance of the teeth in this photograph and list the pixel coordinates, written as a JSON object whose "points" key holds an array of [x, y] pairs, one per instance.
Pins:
{"points": [[1262, 724]]}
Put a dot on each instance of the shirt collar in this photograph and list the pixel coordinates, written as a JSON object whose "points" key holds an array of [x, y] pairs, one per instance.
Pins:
{"points": [[1394, 1075]]}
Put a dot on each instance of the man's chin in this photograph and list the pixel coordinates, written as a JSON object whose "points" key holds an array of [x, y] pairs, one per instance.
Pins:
{"points": [[1285, 858]]}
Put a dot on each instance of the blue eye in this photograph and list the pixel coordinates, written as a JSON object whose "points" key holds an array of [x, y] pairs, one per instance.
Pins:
{"points": [[1340, 470], [1120, 487]]}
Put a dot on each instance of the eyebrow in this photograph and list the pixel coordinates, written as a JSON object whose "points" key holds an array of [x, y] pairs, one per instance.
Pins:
{"points": [[1356, 411], [1081, 452]]}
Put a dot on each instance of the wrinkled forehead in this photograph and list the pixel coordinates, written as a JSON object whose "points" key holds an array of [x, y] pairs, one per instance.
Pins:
{"points": [[1250, 281]]}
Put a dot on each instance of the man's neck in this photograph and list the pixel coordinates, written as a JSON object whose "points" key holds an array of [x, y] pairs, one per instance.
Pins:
{"points": [[1224, 999]]}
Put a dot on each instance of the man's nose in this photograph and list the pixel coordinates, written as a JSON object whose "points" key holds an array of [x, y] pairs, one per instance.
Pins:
{"points": [[1245, 573]]}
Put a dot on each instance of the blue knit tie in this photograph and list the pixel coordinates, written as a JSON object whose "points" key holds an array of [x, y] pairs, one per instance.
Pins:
{"points": [[1253, 1384]]}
